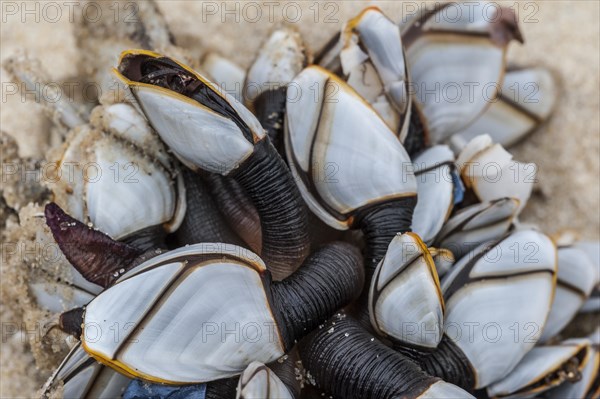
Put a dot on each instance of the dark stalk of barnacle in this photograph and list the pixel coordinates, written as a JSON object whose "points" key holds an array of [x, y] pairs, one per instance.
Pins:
{"points": [[221, 389], [344, 360], [447, 362], [283, 218], [203, 221], [269, 108], [288, 370], [237, 208], [417, 138], [328, 279], [381, 223], [211, 131]]}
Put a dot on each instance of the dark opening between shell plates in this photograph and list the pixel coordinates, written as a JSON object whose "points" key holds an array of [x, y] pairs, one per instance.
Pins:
{"points": [[166, 73]]}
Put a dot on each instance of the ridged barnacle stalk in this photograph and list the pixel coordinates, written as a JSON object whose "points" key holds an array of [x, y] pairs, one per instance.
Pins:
{"points": [[279, 60], [368, 53], [174, 312], [209, 130], [116, 174], [497, 300], [351, 169], [345, 361], [203, 220], [543, 368], [229, 197]]}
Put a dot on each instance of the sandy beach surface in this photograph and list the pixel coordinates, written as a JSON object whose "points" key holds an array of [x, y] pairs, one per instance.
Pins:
{"points": [[563, 36]]}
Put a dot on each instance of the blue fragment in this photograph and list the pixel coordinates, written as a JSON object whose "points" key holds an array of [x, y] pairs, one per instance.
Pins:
{"points": [[459, 188], [138, 389]]}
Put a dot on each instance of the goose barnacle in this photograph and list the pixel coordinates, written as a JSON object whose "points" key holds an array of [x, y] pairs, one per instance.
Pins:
{"points": [[209, 130], [497, 300], [351, 169], [207, 290], [461, 60], [405, 292], [434, 172], [368, 53]]}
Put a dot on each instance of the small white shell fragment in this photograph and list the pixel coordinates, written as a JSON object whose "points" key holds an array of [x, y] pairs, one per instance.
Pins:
{"points": [[405, 300], [492, 174], [191, 315], [260, 382]]}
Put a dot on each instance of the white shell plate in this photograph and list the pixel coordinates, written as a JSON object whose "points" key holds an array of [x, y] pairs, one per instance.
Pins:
{"points": [[184, 322]]}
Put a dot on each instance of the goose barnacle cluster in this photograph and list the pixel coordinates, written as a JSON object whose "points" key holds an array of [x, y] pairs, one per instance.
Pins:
{"points": [[206, 279]]}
